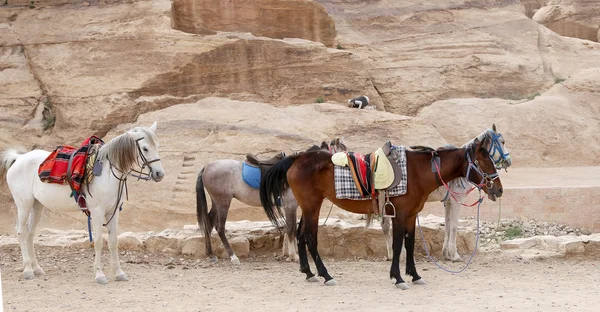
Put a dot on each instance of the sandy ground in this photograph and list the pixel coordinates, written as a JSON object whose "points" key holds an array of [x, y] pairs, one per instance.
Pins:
{"points": [[160, 283]]}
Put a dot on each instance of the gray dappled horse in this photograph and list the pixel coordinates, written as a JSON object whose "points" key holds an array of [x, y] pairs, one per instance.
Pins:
{"points": [[223, 181]]}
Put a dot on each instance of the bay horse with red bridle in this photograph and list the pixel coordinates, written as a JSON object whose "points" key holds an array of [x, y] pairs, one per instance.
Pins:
{"points": [[310, 175]]}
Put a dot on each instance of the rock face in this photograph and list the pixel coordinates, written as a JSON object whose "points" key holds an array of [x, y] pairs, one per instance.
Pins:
{"points": [[277, 19], [577, 18], [438, 73], [544, 122]]}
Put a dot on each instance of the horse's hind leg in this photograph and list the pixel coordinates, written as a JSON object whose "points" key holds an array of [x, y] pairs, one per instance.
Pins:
{"points": [[411, 269], [36, 216], [113, 247], [24, 207], [212, 218], [290, 244], [449, 250], [220, 226], [310, 231], [302, 255], [386, 225]]}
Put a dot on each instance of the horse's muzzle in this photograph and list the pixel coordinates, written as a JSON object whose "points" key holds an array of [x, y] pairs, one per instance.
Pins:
{"points": [[157, 176], [494, 193]]}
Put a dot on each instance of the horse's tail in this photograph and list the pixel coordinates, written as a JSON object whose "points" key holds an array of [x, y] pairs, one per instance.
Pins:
{"points": [[7, 159], [272, 186], [202, 207]]}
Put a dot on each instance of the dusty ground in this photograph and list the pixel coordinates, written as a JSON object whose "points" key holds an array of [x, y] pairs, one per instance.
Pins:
{"points": [[160, 283]]}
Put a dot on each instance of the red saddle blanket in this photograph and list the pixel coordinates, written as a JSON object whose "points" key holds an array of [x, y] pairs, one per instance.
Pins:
{"points": [[54, 168]]}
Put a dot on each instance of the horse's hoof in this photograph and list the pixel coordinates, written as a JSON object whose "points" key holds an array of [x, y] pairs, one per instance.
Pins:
{"points": [[122, 278], [294, 258], [313, 279], [235, 260], [402, 286], [28, 275], [213, 260], [456, 258], [419, 282], [102, 280], [39, 271], [331, 282]]}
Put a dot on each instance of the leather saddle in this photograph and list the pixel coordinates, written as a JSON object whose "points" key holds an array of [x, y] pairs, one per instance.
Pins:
{"points": [[384, 173], [257, 161], [263, 164], [391, 162]]}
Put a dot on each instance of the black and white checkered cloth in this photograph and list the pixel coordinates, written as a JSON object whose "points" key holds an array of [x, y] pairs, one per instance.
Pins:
{"points": [[346, 189]]}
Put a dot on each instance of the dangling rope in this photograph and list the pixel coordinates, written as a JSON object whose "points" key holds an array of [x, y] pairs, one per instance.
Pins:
{"points": [[474, 251], [330, 208]]}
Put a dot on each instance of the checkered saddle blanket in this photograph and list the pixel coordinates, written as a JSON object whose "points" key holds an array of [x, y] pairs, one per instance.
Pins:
{"points": [[346, 188]]}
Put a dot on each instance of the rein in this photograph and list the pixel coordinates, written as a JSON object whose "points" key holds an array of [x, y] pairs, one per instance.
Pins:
{"points": [[480, 200], [452, 193]]}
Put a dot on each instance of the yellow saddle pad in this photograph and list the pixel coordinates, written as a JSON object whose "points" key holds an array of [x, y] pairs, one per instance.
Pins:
{"points": [[384, 173], [340, 159]]}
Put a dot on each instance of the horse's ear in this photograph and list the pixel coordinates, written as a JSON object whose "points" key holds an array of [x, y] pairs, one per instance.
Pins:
{"points": [[494, 128], [337, 142], [153, 127]]}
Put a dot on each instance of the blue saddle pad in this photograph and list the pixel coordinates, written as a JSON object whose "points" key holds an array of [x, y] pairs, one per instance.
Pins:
{"points": [[251, 175]]}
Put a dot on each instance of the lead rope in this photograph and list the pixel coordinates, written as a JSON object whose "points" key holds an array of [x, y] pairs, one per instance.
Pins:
{"points": [[497, 224], [330, 208], [474, 251]]}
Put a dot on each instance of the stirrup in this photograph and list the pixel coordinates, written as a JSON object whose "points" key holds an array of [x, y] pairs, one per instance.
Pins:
{"points": [[384, 214]]}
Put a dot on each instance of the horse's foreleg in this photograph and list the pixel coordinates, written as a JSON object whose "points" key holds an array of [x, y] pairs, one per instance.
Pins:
{"points": [[449, 250], [290, 244], [113, 247], [311, 231], [36, 216], [97, 220], [399, 230], [385, 227], [24, 210], [411, 269]]}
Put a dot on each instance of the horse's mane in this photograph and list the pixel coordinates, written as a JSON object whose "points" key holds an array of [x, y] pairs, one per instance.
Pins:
{"points": [[122, 151], [421, 148], [473, 142]]}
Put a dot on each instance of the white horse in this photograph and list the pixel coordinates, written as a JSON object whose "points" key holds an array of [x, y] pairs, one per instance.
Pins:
{"points": [[136, 147], [501, 158]]}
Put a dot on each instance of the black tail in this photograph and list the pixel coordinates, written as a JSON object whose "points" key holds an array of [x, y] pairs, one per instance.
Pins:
{"points": [[202, 208], [271, 188]]}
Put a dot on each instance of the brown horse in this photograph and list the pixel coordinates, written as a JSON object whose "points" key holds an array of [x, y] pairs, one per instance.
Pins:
{"points": [[310, 176]]}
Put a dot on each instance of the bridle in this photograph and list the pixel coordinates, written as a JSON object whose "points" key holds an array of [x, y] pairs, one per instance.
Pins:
{"points": [[141, 175], [486, 179], [504, 158]]}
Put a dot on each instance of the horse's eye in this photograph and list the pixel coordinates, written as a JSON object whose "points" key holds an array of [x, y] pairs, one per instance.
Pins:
{"points": [[145, 149]]}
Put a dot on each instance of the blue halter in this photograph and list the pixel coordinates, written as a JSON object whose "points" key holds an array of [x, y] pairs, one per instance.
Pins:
{"points": [[496, 147]]}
